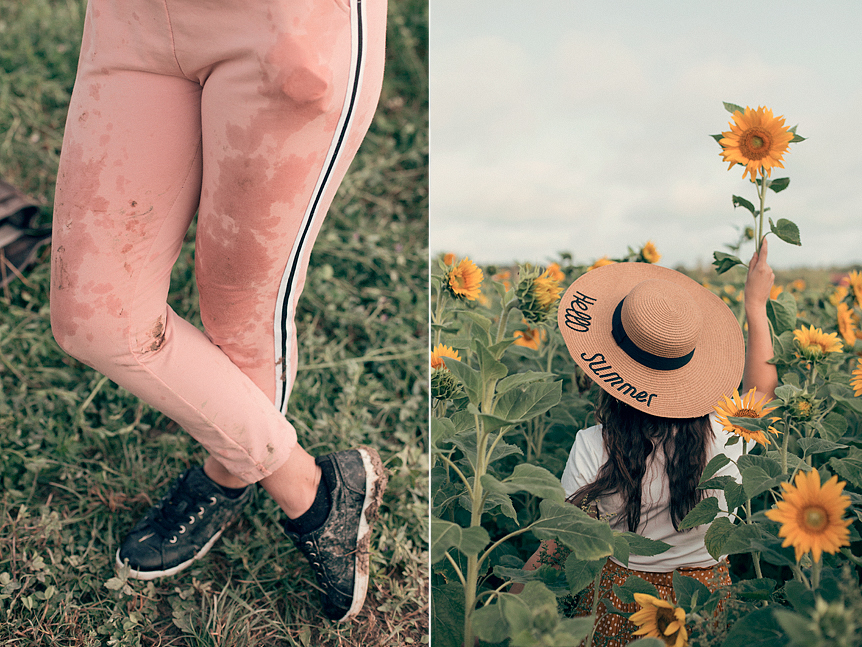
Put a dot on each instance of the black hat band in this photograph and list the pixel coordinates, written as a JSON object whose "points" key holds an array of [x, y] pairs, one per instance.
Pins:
{"points": [[639, 355]]}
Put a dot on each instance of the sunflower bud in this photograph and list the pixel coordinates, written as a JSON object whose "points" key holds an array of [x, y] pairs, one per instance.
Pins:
{"points": [[833, 623], [444, 385], [537, 294], [803, 407]]}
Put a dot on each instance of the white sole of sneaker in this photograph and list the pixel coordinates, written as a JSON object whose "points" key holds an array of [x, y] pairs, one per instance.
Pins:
{"points": [[153, 575], [374, 474]]}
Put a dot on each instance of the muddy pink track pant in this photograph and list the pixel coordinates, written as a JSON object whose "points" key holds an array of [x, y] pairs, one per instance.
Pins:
{"points": [[249, 111]]}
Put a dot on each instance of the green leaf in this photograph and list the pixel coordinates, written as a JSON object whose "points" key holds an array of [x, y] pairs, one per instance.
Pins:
{"points": [[572, 631], [768, 465], [715, 465], [732, 107], [492, 500], [717, 483], [579, 572], [469, 377], [480, 320], [703, 512], [724, 262], [551, 577], [634, 584], [621, 549], [758, 589], [447, 614], [849, 467], [781, 313], [520, 379], [588, 538], [751, 424], [734, 496], [518, 405], [489, 368], [466, 442], [527, 478], [717, 535], [799, 595], [441, 429], [512, 614], [689, 592], [755, 480], [758, 629], [446, 535], [833, 426], [786, 231], [796, 138], [718, 138], [742, 202], [819, 445], [740, 540], [797, 626], [642, 546], [778, 184]]}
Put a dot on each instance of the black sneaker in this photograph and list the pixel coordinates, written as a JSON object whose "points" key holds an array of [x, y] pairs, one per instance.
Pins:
{"points": [[338, 550], [180, 528]]}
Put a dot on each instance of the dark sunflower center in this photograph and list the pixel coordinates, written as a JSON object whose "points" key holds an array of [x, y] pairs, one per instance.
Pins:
{"points": [[815, 518], [747, 413], [755, 143], [663, 618]]}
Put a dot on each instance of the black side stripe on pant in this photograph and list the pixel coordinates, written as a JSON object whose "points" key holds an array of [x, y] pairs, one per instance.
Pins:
{"points": [[284, 306]]}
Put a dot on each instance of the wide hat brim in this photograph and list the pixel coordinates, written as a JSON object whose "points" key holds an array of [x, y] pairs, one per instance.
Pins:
{"points": [[715, 368]]}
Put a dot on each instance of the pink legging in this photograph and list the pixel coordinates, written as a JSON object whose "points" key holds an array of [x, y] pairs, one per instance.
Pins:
{"points": [[249, 112]]}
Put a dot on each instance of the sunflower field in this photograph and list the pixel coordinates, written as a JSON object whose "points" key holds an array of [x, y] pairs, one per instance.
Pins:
{"points": [[508, 402]]}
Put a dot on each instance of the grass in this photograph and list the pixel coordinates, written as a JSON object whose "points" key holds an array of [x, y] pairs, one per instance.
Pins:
{"points": [[82, 459]]}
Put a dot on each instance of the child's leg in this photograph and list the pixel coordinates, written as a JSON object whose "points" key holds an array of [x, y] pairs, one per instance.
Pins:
{"points": [[281, 123]]}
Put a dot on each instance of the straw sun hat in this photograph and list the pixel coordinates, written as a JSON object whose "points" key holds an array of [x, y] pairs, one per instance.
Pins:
{"points": [[653, 338]]}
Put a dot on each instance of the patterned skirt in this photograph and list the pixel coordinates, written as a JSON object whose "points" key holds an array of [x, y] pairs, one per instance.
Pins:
{"points": [[613, 630]]}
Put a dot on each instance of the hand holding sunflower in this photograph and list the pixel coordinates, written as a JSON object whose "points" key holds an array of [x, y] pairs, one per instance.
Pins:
{"points": [[758, 141]]}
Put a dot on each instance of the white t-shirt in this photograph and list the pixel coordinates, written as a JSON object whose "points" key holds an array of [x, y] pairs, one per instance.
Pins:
{"points": [[589, 454]]}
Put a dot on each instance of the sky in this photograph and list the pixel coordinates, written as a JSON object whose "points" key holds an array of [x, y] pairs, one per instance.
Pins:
{"points": [[566, 125]]}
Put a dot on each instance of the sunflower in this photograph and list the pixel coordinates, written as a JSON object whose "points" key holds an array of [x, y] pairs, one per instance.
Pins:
{"points": [[547, 289], [531, 337], [464, 280], [505, 277], [855, 279], [659, 618], [449, 259], [797, 286], [811, 516], [813, 342], [744, 407], [556, 273], [649, 253], [774, 291], [756, 140], [604, 260], [439, 352], [856, 379], [839, 295], [847, 323]]}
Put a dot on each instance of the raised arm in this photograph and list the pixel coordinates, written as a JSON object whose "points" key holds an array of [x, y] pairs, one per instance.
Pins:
{"points": [[758, 373]]}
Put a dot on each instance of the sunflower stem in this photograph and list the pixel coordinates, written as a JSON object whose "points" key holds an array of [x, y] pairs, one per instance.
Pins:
{"points": [[815, 575], [755, 555], [762, 195], [504, 319], [784, 443]]}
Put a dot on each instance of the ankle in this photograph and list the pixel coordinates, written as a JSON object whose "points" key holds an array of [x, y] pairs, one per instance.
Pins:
{"points": [[217, 473]]}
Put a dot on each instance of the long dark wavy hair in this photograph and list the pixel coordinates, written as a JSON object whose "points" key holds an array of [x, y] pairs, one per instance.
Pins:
{"points": [[630, 436]]}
